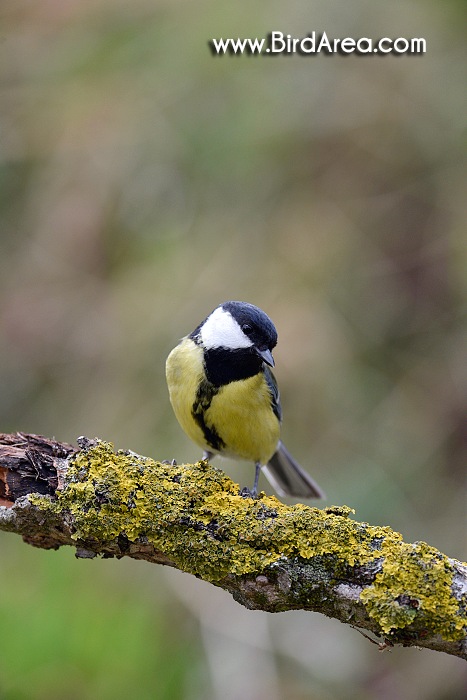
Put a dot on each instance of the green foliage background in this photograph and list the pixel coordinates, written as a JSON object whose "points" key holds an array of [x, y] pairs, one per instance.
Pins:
{"points": [[142, 182]]}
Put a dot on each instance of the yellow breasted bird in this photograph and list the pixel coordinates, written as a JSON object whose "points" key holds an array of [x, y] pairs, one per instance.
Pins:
{"points": [[226, 398]]}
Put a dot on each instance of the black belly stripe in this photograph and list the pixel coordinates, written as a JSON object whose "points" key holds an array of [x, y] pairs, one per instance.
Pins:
{"points": [[204, 396]]}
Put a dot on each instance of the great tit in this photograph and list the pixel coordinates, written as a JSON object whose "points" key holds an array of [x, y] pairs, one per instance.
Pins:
{"points": [[226, 399]]}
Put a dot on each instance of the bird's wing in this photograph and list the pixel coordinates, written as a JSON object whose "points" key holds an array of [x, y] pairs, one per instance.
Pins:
{"points": [[274, 390]]}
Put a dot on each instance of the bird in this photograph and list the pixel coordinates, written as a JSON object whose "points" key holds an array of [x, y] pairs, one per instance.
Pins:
{"points": [[226, 399]]}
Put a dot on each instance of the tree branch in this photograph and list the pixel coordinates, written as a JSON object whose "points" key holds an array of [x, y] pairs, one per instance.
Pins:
{"points": [[269, 556]]}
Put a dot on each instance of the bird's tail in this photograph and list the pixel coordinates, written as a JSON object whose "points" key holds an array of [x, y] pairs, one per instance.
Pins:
{"points": [[288, 478]]}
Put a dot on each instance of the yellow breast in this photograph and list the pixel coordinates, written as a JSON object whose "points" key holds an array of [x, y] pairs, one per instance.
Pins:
{"points": [[239, 413], [242, 415], [184, 371]]}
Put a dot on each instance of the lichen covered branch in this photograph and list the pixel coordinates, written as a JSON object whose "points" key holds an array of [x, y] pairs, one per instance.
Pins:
{"points": [[268, 555]]}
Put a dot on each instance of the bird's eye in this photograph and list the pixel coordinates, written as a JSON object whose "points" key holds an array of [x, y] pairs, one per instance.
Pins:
{"points": [[247, 329]]}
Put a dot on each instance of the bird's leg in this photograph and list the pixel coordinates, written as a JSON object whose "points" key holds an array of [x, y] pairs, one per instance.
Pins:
{"points": [[245, 492], [208, 455], [254, 490]]}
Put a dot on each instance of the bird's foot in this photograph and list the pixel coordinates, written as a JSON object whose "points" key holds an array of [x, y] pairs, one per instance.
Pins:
{"points": [[245, 492]]}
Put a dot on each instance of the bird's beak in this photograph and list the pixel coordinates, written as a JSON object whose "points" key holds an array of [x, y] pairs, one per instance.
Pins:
{"points": [[266, 356]]}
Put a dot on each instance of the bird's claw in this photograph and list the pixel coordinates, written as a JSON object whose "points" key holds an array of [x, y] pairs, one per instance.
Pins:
{"points": [[245, 492]]}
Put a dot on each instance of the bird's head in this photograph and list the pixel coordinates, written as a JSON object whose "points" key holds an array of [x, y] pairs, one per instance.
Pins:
{"points": [[237, 325]]}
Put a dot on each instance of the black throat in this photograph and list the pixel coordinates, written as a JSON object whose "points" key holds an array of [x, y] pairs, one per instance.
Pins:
{"points": [[224, 366]]}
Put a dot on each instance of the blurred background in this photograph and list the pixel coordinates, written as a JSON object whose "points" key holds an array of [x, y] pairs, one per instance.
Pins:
{"points": [[142, 182]]}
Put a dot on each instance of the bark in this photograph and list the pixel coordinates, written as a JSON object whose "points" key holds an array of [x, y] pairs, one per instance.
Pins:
{"points": [[268, 555]]}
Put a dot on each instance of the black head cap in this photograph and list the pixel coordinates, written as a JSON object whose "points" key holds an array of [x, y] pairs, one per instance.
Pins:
{"points": [[254, 323]]}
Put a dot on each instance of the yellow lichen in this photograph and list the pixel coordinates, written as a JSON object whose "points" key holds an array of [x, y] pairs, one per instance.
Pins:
{"points": [[416, 580], [196, 517], [194, 513]]}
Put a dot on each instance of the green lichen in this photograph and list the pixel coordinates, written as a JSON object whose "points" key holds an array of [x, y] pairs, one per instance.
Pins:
{"points": [[196, 517]]}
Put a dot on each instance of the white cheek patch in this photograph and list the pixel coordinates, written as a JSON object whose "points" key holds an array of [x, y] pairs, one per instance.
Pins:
{"points": [[221, 330]]}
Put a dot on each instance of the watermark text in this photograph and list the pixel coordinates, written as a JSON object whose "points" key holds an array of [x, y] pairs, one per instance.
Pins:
{"points": [[278, 43]]}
